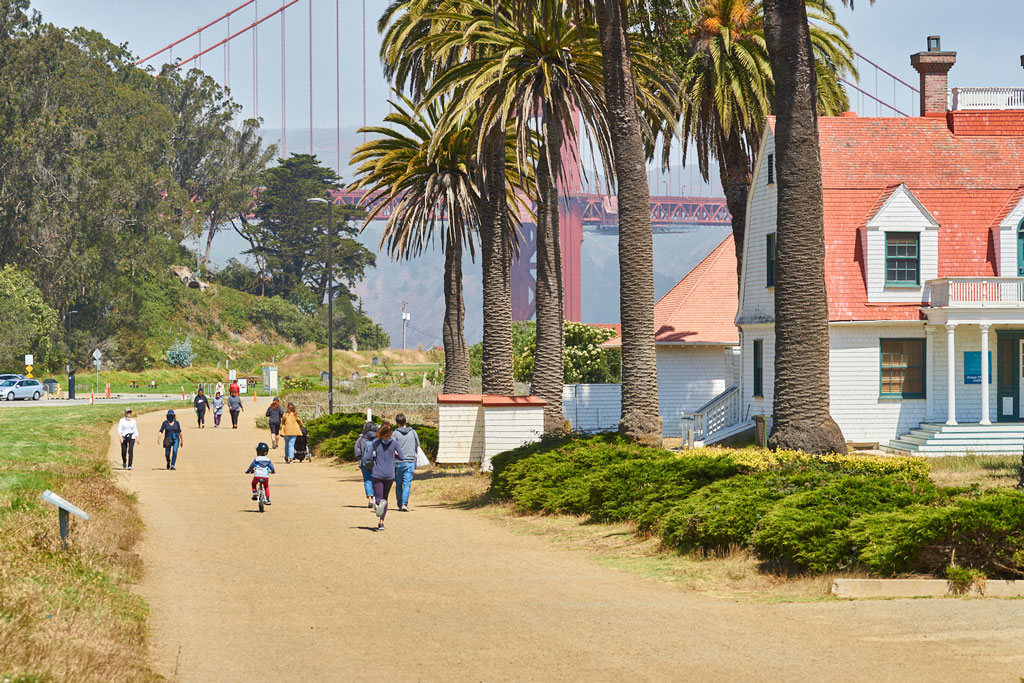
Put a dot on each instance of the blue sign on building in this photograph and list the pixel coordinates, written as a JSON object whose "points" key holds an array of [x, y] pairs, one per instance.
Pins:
{"points": [[972, 367]]}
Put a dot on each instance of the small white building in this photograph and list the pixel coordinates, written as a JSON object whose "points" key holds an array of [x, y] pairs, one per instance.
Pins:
{"points": [[697, 345], [924, 270]]}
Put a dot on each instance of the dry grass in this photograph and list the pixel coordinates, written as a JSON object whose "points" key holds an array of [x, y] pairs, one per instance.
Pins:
{"points": [[310, 361], [67, 615], [987, 470], [737, 574]]}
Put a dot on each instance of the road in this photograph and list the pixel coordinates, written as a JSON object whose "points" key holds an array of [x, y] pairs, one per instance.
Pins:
{"points": [[308, 591], [79, 401]]}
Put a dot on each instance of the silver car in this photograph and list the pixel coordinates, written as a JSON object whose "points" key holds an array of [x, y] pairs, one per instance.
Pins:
{"points": [[21, 388]]}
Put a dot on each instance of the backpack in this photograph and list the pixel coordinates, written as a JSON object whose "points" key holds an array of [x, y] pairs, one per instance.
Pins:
{"points": [[368, 457]]}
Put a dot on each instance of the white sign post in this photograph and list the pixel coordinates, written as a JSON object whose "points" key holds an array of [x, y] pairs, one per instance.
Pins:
{"points": [[29, 358], [63, 508]]}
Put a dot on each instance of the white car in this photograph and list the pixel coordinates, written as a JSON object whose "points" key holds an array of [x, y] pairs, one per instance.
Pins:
{"points": [[21, 388]]}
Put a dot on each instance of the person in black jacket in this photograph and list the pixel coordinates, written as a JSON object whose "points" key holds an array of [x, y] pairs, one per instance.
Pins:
{"points": [[275, 412], [201, 403]]}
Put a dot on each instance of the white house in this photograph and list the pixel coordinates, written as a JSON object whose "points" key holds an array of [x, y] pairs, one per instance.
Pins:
{"points": [[924, 268], [696, 342]]}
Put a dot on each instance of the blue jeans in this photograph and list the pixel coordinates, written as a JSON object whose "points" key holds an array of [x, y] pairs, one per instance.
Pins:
{"points": [[289, 447], [367, 480], [171, 452], [403, 481]]}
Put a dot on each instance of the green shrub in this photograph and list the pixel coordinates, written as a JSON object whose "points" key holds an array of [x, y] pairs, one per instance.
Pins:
{"points": [[335, 435], [761, 460], [809, 531], [984, 532], [725, 513]]}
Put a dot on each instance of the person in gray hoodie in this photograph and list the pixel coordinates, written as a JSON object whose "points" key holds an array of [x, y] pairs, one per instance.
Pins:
{"points": [[405, 466], [366, 438]]}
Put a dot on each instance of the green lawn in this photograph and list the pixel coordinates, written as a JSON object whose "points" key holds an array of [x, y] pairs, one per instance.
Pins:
{"points": [[67, 615]]}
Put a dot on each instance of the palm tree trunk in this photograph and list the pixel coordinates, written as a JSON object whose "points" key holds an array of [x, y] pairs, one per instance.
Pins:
{"points": [[734, 171], [456, 356], [495, 259], [548, 368], [801, 418], [640, 418]]}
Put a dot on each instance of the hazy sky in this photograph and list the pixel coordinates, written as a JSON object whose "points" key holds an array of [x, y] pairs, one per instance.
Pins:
{"points": [[988, 44]]}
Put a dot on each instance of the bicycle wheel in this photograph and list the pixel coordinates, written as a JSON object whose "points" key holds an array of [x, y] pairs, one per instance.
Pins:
{"points": [[262, 496]]}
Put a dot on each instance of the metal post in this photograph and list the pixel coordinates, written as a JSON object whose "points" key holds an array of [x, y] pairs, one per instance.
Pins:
{"points": [[330, 308], [62, 514], [405, 319]]}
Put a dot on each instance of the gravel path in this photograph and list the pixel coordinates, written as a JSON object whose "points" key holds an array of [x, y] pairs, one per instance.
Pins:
{"points": [[309, 592]]}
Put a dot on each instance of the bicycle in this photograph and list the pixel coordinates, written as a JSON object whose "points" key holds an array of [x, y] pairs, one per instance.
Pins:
{"points": [[261, 495]]}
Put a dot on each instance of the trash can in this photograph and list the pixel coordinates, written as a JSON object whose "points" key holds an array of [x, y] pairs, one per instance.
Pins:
{"points": [[761, 431], [50, 385]]}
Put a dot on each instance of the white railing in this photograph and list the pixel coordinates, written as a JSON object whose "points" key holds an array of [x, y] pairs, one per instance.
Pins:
{"points": [[970, 292], [720, 412], [987, 98]]}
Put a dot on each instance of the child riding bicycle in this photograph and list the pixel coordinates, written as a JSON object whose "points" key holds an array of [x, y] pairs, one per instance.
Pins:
{"points": [[261, 468]]}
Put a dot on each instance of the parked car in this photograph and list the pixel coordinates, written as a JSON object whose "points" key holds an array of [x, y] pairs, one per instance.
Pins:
{"points": [[11, 375], [21, 388]]}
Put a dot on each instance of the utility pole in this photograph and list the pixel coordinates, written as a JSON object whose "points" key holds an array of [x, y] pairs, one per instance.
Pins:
{"points": [[405, 319]]}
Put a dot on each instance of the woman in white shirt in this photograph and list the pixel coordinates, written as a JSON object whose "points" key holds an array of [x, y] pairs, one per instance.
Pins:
{"points": [[128, 432]]}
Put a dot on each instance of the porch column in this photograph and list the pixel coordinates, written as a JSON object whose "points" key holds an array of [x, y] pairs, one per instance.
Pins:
{"points": [[951, 375], [984, 375]]}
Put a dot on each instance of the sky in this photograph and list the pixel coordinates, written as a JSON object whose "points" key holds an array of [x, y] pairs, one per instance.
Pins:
{"points": [[886, 32]]}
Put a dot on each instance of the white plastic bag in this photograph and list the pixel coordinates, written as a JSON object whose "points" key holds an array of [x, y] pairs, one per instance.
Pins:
{"points": [[421, 459]]}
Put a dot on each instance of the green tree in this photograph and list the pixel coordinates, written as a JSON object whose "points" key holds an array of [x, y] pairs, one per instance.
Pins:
{"points": [[438, 198], [29, 323], [216, 164], [288, 233]]}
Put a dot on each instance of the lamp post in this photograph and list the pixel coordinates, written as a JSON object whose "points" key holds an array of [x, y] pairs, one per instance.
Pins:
{"points": [[71, 360], [330, 303]]}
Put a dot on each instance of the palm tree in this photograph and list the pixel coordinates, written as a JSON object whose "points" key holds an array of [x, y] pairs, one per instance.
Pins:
{"points": [[410, 64], [437, 198], [729, 91], [533, 76], [801, 418]]}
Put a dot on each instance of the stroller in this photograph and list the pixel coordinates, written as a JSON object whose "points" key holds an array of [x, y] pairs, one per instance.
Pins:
{"points": [[302, 453]]}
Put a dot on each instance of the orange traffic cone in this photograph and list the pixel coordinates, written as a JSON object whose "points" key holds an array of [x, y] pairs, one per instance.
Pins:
{"points": [[92, 398]]}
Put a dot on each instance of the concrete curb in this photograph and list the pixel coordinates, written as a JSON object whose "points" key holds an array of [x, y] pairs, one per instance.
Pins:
{"points": [[923, 588]]}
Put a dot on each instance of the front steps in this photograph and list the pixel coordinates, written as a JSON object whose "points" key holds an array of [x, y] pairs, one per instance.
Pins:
{"points": [[1006, 438]]}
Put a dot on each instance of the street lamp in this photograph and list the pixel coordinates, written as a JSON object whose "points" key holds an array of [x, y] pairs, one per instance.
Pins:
{"points": [[330, 303], [71, 360]]}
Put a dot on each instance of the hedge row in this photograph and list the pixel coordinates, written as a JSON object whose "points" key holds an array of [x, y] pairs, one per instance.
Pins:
{"points": [[798, 512], [335, 436]]}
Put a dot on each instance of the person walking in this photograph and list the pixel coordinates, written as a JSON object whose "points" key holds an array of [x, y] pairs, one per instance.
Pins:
{"points": [[366, 438], [219, 389], [405, 466], [171, 430], [234, 389], [128, 432], [234, 407], [201, 403], [381, 456], [291, 428], [218, 408], [275, 412]]}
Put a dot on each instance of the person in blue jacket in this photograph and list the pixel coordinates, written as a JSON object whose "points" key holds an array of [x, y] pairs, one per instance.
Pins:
{"points": [[261, 468]]}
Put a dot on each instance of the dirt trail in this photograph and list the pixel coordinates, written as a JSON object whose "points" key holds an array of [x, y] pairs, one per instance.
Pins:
{"points": [[308, 592]]}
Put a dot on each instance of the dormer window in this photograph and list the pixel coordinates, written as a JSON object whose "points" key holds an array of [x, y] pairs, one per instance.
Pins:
{"points": [[902, 259]]}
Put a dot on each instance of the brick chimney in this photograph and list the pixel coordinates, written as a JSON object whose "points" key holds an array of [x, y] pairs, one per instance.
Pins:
{"points": [[933, 66]]}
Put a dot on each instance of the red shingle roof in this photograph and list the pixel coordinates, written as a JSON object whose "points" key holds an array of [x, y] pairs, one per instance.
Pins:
{"points": [[701, 308], [965, 181]]}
